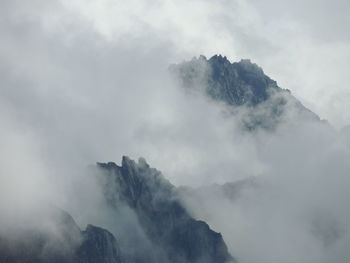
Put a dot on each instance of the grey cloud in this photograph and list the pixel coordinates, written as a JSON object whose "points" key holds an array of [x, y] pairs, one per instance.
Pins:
{"points": [[70, 96], [325, 20]]}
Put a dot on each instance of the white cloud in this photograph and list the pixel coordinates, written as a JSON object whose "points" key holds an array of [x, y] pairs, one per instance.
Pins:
{"points": [[86, 81]]}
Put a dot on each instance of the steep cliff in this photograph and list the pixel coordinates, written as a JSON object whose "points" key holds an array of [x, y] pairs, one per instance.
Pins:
{"points": [[244, 88], [165, 221]]}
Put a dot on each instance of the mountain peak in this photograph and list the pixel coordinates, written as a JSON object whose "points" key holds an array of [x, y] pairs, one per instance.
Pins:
{"points": [[241, 83], [163, 218], [237, 83], [219, 58]]}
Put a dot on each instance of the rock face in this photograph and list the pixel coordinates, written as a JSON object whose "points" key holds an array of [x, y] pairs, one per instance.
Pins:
{"points": [[164, 220], [234, 83], [56, 239], [98, 246], [173, 236], [241, 84]]}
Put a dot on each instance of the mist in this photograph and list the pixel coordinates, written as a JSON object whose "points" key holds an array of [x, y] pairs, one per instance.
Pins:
{"points": [[85, 82]]}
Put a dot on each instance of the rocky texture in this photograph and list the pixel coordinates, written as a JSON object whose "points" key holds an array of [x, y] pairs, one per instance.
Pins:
{"points": [[165, 221], [242, 84], [56, 238], [171, 235], [234, 83], [98, 246]]}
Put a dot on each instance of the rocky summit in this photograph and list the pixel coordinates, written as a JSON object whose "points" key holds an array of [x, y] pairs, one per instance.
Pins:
{"points": [[165, 221], [243, 87], [235, 83]]}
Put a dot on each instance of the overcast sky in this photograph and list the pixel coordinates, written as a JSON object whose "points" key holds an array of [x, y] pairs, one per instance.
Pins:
{"points": [[89, 77], [86, 81], [304, 45]]}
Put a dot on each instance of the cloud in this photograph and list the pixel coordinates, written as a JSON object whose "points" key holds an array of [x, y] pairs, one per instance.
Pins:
{"points": [[304, 45], [295, 210], [85, 81]]}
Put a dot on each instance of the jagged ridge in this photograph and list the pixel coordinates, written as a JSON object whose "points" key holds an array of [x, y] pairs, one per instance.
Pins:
{"points": [[241, 84], [162, 216]]}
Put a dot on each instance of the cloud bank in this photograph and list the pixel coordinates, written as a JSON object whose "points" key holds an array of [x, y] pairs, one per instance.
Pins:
{"points": [[85, 81]]}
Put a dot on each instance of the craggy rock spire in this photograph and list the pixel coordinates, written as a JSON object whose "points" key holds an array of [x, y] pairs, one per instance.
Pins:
{"points": [[235, 83], [165, 221], [241, 84]]}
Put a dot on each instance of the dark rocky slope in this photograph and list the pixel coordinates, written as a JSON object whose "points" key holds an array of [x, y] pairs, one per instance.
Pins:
{"points": [[56, 238], [173, 236], [165, 221], [244, 87]]}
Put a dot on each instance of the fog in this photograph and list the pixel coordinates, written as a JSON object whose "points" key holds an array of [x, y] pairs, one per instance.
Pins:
{"points": [[295, 210], [85, 82]]}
